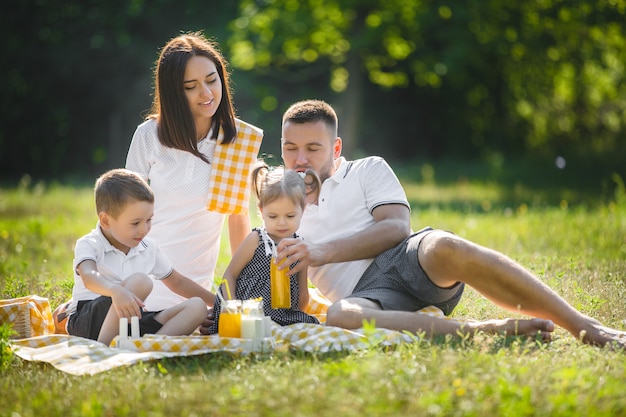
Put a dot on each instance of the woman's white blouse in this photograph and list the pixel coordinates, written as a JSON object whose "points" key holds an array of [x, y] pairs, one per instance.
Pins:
{"points": [[186, 232]]}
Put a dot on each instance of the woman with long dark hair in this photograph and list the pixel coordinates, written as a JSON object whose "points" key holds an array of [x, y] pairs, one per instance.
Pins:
{"points": [[197, 157]]}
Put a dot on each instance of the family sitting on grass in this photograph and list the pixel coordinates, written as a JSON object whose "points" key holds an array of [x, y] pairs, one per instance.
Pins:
{"points": [[355, 241], [357, 245]]}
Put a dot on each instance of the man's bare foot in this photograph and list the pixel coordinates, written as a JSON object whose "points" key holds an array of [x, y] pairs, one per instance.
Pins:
{"points": [[599, 335]]}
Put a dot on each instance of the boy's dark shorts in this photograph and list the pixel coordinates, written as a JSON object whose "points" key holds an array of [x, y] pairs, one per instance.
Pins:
{"points": [[87, 320], [396, 281]]}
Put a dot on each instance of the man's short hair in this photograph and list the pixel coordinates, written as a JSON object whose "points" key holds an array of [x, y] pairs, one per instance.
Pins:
{"points": [[118, 187], [307, 111]]}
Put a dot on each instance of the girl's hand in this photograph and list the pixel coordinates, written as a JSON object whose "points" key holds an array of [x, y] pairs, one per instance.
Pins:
{"points": [[208, 322]]}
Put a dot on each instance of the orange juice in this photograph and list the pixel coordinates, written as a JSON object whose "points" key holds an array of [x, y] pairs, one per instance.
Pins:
{"points": [[279, 286], [229, 324]]}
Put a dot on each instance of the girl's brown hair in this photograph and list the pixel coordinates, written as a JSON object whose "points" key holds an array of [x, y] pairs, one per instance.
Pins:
{"points": [[272, 183]]}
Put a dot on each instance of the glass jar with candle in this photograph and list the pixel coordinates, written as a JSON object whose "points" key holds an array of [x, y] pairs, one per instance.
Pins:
{"points": [[252, 320]]}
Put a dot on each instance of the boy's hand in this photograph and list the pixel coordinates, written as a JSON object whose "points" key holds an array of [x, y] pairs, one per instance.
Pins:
{"points": [[125, 303]]}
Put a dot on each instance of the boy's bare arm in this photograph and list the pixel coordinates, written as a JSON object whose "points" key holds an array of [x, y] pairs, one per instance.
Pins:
{"points": [[125, 303], [188, 288]]}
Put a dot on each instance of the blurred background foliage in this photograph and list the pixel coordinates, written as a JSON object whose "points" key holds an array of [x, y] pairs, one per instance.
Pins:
{"points": [[412, 80]]}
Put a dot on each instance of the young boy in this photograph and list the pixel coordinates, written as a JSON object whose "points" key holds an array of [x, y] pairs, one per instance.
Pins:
{"points": [[115, 263]]}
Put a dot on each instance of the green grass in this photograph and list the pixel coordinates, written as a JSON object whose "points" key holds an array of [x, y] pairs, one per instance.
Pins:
{"points": [[573, 240]]}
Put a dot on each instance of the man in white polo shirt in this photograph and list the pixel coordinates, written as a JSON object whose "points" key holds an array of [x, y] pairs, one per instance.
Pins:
{"points": [[363, 256]]}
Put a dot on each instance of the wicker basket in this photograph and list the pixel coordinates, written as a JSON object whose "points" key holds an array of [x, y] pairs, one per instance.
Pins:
{"points": [[21, 324], [29, 316]]}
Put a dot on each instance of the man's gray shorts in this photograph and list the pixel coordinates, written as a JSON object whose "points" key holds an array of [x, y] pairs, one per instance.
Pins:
{"points": [[396, 281]]}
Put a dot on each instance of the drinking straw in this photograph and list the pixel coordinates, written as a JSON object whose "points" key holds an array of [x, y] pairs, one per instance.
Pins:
{"points": [[220, 296], [227, 290]]}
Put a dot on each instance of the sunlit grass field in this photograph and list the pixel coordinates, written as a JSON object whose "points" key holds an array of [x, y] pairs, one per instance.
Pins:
{"points": [[573, 239]]}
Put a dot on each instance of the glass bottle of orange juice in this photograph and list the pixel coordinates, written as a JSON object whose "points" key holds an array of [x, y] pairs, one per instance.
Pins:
{"points": [[280, 289]]}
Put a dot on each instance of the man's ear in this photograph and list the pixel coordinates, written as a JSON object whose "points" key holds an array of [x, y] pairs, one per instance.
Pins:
{"points": [[337, 146]]}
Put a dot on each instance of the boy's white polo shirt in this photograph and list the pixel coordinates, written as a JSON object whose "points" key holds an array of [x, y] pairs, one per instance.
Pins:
{"points": [[344, 208], [114, 264]]}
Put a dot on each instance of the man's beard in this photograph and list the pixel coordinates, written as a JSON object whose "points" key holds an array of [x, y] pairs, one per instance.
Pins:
{"points": [[327, 171]]}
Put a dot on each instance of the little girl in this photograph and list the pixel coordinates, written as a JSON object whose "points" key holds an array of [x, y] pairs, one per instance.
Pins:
{"points": [[281, 199]]}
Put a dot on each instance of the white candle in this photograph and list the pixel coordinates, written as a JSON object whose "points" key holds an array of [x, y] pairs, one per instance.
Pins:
{"points": [[134, 327], [123, 327]]}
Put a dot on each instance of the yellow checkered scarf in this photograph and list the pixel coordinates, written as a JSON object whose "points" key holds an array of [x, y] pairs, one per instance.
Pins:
{"points": [[229, 185]]}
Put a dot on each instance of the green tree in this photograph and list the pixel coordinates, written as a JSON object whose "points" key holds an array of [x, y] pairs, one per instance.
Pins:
{"points": [[565, 71], [539, 77], [409, 78]]}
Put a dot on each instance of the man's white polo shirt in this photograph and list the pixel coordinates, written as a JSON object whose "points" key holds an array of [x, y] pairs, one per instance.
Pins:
{"points": [[344, 208]]}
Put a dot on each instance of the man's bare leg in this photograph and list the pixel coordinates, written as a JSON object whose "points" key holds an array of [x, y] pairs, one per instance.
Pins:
{"points": [[350, 313], [448, 259]]}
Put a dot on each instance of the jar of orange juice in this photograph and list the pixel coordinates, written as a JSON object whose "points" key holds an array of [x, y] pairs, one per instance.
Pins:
{"points": [[280, 290], [229, 324]]}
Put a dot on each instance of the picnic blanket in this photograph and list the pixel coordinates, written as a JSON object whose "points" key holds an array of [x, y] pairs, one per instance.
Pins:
{"points": [[79, 356]]}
